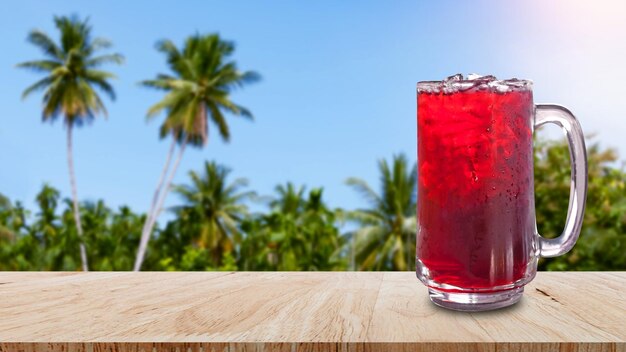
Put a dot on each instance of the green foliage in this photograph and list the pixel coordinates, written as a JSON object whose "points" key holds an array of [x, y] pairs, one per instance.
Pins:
{"points": [[297, 234], [200, 87], [213, 229], [212, 212], [71, 71], [602, 243], [385, 239], [48, 240]]}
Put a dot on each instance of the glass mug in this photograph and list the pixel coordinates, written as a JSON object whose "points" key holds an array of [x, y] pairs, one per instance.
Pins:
{"points": [[477, 239]]}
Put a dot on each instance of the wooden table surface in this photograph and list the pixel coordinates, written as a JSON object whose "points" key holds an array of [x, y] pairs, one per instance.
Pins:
{"points": [[298, 311]]}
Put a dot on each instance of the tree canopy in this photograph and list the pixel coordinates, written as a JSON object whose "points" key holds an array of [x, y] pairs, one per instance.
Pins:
{"points": [[214, 229]]}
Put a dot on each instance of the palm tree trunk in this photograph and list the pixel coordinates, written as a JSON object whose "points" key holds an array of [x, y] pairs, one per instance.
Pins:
{"points": [[352, 244], [157, 210], [159, 207], [79, 227], [145, 233]]}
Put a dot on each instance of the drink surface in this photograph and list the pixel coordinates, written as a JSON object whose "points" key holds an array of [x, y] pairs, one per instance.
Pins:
{"points": [[475, 190]]}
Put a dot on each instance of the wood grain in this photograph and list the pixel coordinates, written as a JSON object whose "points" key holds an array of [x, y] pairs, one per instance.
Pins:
{"points": [[296, 311]]}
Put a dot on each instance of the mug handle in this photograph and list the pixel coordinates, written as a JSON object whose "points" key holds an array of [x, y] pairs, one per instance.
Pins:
{"points": [[563, 118]]}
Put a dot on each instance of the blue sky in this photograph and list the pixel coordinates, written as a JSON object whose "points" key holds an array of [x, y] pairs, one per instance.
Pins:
{"points": [[338, 88]]}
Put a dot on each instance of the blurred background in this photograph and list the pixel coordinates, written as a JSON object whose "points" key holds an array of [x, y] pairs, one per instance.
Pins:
{"points": [[315, 180]]}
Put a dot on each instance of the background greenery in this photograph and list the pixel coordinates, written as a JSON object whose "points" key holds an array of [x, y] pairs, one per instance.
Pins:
{"points": [[212, 228]]}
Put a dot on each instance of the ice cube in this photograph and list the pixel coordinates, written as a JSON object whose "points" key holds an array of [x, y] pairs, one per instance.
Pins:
{"points": [[457, 77], [499, 86], [519, 83], [450, 84], [458, 83], [482, 78]]}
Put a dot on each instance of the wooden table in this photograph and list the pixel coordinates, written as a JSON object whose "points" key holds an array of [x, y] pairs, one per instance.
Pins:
{"points": [[289, 311]]}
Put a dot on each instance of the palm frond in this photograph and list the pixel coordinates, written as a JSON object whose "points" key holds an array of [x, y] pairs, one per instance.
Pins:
{"points": [[92, 103], [250, 77], [392, 212], [98, 44], [69, 86], [40, 65], [53, 99], [41, 84], [365, 190], [105, 87], [399, 257], [168, 47], [244, 112], [190, 119], [237, 110], [236, 184], [202, 78], [170, 102], [364, 217], [105, 59], [175, 60], [161, 84], [46, 44], [100, 75], [99, 79], [75, 34], [170, 84], [409, 225], [250, 195], [386, 252], [229, 224], [218, 118], [367, 240]]}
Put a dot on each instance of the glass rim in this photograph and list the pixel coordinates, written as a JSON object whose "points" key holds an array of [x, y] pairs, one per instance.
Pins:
{"points": [[481, 83]]}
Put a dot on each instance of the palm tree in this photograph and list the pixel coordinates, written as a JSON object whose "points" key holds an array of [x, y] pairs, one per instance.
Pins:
{"points": [[299, 233], [386, 238], [290, 199], [6, 212], [213, 210], [199, 89], [47, 223], [72, 73]]}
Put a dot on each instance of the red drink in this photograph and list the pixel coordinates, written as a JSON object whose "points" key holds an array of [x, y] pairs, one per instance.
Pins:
{"points": [[477, 243], [476, 201]]}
